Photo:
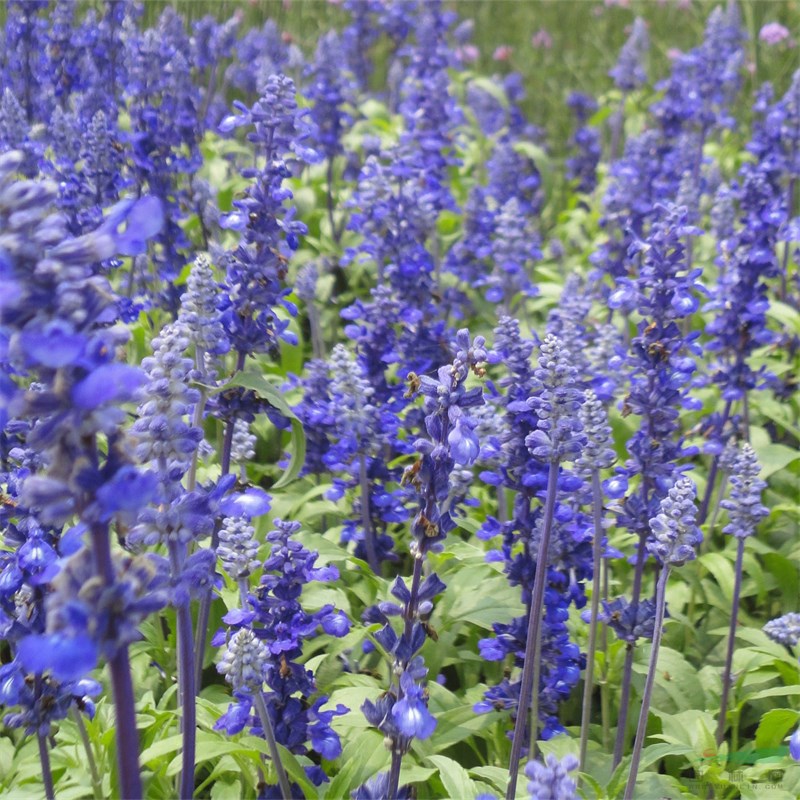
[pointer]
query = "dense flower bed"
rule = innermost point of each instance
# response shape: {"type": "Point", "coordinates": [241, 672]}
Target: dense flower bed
{"type": "Point", "coordinates": [354, 445]}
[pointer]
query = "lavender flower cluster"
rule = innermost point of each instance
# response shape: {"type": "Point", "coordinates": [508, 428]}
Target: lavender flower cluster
{"type": "Point", "coordinates": [282, 361]}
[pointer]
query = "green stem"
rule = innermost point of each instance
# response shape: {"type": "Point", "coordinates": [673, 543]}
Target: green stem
{"type": "Point", "coordinates": [97, 784]}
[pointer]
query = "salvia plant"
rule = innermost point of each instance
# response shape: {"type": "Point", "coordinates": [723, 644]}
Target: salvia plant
{"type": "Point", "coordinates": [392, 410]}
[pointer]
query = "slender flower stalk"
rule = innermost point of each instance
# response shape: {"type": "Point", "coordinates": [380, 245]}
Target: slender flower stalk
{"type": "Point", "coordinates": [745, 511]}
{"type": "Point", "coordinates": [267, 642]}
{"type": "Point", "coordinates": [664, 292]}
{"type": "Point", "coordinates": [204, 609]}
{"type": "Point", "coordinates": [269, 735]}
{"type": "Point", "coordinates": [675, 540]}
{"type": "Point", "coordinates": [557, 438]}
{"type": "Point", "coordinates": [530, 671]}
{"type": "Point", "coordinates": [629, 74]}
{"type": "Point", "coordinates": [44, 761]}
{"type": "Point", "coordinates": [97, 784]}
{"type": "Point", "coordinates": [641, 729]}
{"type": "Point", "coordinates": [726, 672]}
{"type": "Point", "coordinates": [130, 781]}
{"type": "Point", "coordinates": [170, 443]}
{"type": "Point", "coordinates": [713, 468]}
{"type": "Point", "coordinates": [186, 694]}
{"type": "Point", "coordinates": [402, 714]}
{"type": "Point", "coordinates": [598, 454]}
{"type": "Point", "coordinates": [306, 289]}
{"type": "Point", "coordinates": [56, 324]}
{"type": "Point", "coordinates": [597, 555]}
{"type": "Point", "coordinates": [244, 664]}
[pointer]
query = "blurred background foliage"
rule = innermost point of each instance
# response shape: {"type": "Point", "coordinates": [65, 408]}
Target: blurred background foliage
{"type": "Point", "coordinates": [585, 39]}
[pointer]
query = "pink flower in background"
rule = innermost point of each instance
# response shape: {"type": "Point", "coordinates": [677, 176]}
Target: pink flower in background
{"type": "Point", "coordinates": [773, 33]}
{"type": "Point", "coordinates": [542, 40]}
{"type": "Point", "coordinates": [468, 53]}
{"type": "Point", "coordinates": [674, 53]}
{"type": "Point", "coordinates": [503, 53]}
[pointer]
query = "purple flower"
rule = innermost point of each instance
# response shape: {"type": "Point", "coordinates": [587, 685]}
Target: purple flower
{"type": "Point", "coordinates": [463, 442]}
{"type": "Point", "coordinates": [675, 532]}
{"type": "Point", "coordinates": [629, 72]}
{"type": "Point", "coordinates": [67, 658]}
{"type": "Point", "coordinates": [794, 745]}
{"type": "Point", "coordinates": [551, 780]}
{"type": "Point", "coordinates": [784, 630]}
{"type": "Point", "coordinates": [744, 507]}
{"type": "Point", "coordinates": [411, 713]}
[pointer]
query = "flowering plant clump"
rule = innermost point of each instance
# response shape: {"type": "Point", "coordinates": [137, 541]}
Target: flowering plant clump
{"type": "Point", "coordinates": [401, 405]}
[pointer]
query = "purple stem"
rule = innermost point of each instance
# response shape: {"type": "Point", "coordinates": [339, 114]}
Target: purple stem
{"type": "Point", "coordinates": [723, 485]}
{"type": "Point", "coordinates": [369, 534]}
{"type": "Point", "coordinates": [597, 552]}
{"type": "Point", "coordinates": [616, 131]}
{"type": "Point", "coordinates": [410, 613]}
{"type": "Point", "coordinates": [530, 669]}
{"type": "Point", "coordinates": [44, 759]}
{"type": "Point", "coordinates": [204, 610]}
{"type": "Point", "coordinates": [702, 513]}
{"type": "Point", "coordinates": [726, 674]}
{"type": "Point", "coordinates": [130, 782]}
{"type": "Point", "coordinates": [336, 232]}
{"type": "Point", "coordinates": [269, 735]}
{"type": "Point", "coordinates": [641, 729]}
{"type": "Point", "coordinates": [186, 686]}
{"type": "Point", "coordinates": [790, 203]}
{"type": "Point", "coordinates": [627, 670]}
{"type": "Point", "coordinates": [317, 342]}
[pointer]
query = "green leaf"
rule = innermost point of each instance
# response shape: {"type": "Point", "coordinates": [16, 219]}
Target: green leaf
{"type": "Point", "coordinates": [775, 691]}
{"type": "Point", "coordinates": [264, 389]}
{"type": "Point", "coordinates": [363, 757]}
{"type": "Point", "coordinates": [785, 314]}
{"type": "Point", "coordinates": [497, 776]}
{"type": "Point", "coordinates": [785, 573]}
{"type": "Point", "coordinates": [209, 747]}
{"type": "Point", "coordinates": [774, 726]}
{"type": "Point", "coordinates": [484, 608]}
{"type": "Point", "coordinates": [161, 748]}
{"type": "Point", "coordinates": [226, 791]}
{"type": "Point", "coordinates": [458, 724]}
{"type": "Point", "coordinates": [774, 457]}
{"type": "Point", "coordinates": [454, 777]}
{"type": "Point", "coordinates": [677, 686]}
{"type": "Point", "coordinates": [651, 754]}
{"type": "Point", "coordinates": [721, 569]}
{"type": "Point", "coordinates": [6, 756]}
{"type": "Point", "coordinates": [492, 88]}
